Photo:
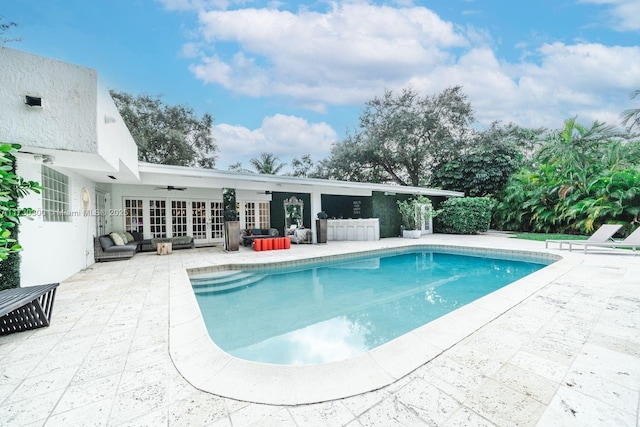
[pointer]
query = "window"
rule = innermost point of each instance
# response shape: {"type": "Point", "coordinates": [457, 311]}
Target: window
{"type": "Point", "coordinates": [55, 196]}
{"type": "Point", "coordinates": [178, 218]}
{"type": "Point", "coordinates": [199, 220]}
{"type": "Point", "coordinates": [217, 220]}
{"type": "Point", "coordinates": [250, 215]}
{"type": "Point", "coordinates": [257, 215]}
{"type": "Point", "coordinates": [265, 214]}
{"type": "Point", "coordinates": [158, 218]}
{"type": "Point", "coordinates": [133, 216]}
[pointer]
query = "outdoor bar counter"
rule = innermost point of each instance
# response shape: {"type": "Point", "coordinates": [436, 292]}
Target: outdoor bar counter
{"type": "Point", "coordinates": [353, 229]}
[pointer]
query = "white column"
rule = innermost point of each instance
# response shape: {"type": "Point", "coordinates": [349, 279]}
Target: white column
{"type": "Point", "coordinates": [316, 206]}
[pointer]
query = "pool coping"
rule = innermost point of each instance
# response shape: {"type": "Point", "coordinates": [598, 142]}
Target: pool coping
{"type": "Point", "coordinates": [207, 367]}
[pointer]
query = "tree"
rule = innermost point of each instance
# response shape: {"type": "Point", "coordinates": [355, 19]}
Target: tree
{"type": "Point", "coordinates": [401, 137]}
{"type": "Point", "coordinates": [302, 167]}
{"type": "Point", "coordinates": [631, 117]}
{"type": "Point", "coordinates": [169, 135]}
{"type": "Point", "coordinates": [267, 164]}
{"type": "Point", "coordinates": [575, 148]}
{"type": "Point", "coordinates": [581, 177]}
{"type": "Point", "coordinates": [484, 168]}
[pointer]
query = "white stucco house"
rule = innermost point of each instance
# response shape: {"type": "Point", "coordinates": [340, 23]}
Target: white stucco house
{"type": "Point", "coordinates": [76, 144]}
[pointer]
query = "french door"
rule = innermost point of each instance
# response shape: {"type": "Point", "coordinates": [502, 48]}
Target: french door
{"type": "Point", "coordinates": [200, 219]}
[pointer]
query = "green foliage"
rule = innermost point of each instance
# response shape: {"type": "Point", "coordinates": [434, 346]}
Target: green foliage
{"type": "Point", "coordinates": [10, 267]}
{"type": "Point", "coordinates": [267, 163]}
{"type": "Point", "coordinates": [485, 168]}
{"type": "Point", "coordinates": [229, 204]}
{"type": "Point", "coordinates": [386, 210]}
{"type": "Point", "coordinates": [12, 188]}
{"type": "Point", "coordinates": [401, 137]}
{"type": "Point", "coordinates": [302, 167]}
{"type": "Point", "coordinates": [581, 178]}
{"type": "Point", "coordinates": [464, 215]}
{"type": "Point", "coordinates": [541, 237]}
{"type": "Point", "coordinates": [415, 211]}
{"type": "Point", "coordinates": [631, 117]}
{"type": "Point", "coordinates": [168, 135]}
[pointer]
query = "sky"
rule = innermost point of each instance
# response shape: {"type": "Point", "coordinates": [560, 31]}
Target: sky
{"type": "Point", "coordinates": [292, 78]}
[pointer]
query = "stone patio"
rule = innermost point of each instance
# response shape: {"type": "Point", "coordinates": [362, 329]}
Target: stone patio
{"type": "Point", "coordinates": [569, 354]}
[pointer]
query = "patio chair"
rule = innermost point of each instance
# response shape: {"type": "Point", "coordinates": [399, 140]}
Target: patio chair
{"type": "Point", "coordinates": [26, 308]}
{"type": "Point", "coordinates": [632, 241]}
{"type": "Point", "coordinates": [601, 235]}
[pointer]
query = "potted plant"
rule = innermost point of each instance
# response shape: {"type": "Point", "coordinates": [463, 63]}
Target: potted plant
{"type": "Point", "coordinates": [321, 227]}
{"type": "Point", "coordinates": [231, 230]}
{"type": "Point", "coordinates": [414, 212]}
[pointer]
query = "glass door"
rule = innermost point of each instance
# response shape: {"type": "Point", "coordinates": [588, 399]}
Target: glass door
{"type": "Point", "coordinates": [199, 221]}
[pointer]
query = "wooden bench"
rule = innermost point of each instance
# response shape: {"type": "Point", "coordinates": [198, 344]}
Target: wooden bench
{"type": "Point", "coordinates": [26, 308]}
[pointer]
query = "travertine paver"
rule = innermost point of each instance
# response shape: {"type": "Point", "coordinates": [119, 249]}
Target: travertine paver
{"type": "Point", "coordinates": [567, 355]}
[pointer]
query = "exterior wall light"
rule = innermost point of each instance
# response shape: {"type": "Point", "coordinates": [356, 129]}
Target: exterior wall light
{"type": "Point", "coordinates": [33, 101]}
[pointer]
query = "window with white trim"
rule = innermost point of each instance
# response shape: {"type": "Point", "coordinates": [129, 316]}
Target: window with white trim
{"type": "Point", "coordinates": [158, 218]}
{"type": "Point", "coordinates": [265, 214]}
{"type": "Point", "coordinates": [217, 220]}
{"type": "Point", "coordinates": [134, 216]}
{"type": "Point", "coordinates": [55, 196]}
{"type": "Point", "coordinates": [178, 218]}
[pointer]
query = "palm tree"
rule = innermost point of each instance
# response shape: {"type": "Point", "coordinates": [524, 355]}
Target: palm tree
{"type": "Point", "coordinates": [631, 116]}
{"type": "Point", "coordinates": [575, 147]}
{"type": "Point", "coordinates": [267, 163]}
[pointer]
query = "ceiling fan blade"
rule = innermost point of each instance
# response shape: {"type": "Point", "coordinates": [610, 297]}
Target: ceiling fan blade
{"type": "Point", "coordinates": [171, 187]}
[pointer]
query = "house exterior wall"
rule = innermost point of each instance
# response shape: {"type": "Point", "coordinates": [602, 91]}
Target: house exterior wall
{"type": "Point", "coordinates": [79, 126]}
{"type": "Point", "coordinates": [67, 118]}
{"type": "Point", "coordinates": [54, 251]}
{"type": "Point", "coordinates": [115, 144]}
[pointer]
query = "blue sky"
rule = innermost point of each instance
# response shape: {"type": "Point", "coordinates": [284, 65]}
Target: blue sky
{"type": "Point", "coordinates": [291, 78]}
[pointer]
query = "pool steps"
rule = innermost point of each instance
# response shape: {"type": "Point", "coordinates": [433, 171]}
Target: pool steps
{"type": "Point", "coordinates": [224, 281]}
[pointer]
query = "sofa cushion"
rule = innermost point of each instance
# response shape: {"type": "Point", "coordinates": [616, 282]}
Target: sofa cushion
{"type": "Point", "coordinates": [105, 242]}
{"type": "Point", "coordinates": [124, 248]}
{"type": "Point", "coordinates": [117, 239]}
{"type": "Point", "coordinates": [182, 240]}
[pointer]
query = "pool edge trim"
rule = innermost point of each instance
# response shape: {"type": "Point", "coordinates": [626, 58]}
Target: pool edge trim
{"type": "Point", "coordinates": [207, 367]}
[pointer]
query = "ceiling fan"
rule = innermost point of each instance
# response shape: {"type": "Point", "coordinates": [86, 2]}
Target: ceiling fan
{"type": "Point", "coordinates": [171, 188]}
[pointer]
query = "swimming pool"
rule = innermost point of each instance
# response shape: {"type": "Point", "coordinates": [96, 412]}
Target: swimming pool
{"type": "Point", "coordinates": [324, 312]}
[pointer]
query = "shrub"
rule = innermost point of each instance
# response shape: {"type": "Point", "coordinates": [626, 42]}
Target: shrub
{"type": "Point", "coordinates": [415, 212]}
{"type": "Point", "coordinates": [464, 215]}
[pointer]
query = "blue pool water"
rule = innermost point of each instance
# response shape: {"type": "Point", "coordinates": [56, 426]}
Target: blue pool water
{"type": "Point", "coordinates": [333, 311]}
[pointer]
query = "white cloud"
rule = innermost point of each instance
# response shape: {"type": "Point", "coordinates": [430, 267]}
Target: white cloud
{"type": "Point", "coordinates": [339, 57]}
{"type": "Point", "coordinates": [625, 14]}
{"type": "Point", "coordinates": [353, 51]}
{"type": "Point", "coordinates": [284, 136]}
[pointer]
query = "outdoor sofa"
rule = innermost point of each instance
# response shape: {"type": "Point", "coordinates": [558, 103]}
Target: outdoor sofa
{"type": "Point", "coordinates": [108, 248]}
{"type": "Point", "coordinates": [250, 234]}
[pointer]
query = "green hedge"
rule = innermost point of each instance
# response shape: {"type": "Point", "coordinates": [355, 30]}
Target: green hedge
{"type": "Point", "coordinates": [464, 215]}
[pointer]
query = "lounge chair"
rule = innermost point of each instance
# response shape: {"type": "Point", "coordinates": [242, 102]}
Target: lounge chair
{"type": "Point", "coordinates": [602, 235]}
{"type": "Point", "coordinates": [632, 241]}
{"type": "Point", "coordinates": [26, 308]}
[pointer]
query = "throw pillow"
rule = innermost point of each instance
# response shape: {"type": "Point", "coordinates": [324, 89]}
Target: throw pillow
{"type": "Point", "coordinates": [124, 238]}
{"type": "Point", "coordinates": [117, 240]}
{"type": "Point", "coordinates": [130, 237]}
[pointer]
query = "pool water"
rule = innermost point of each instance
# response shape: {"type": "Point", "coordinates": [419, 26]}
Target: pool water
{"type": "Point", "coordinates": [333, 311]}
